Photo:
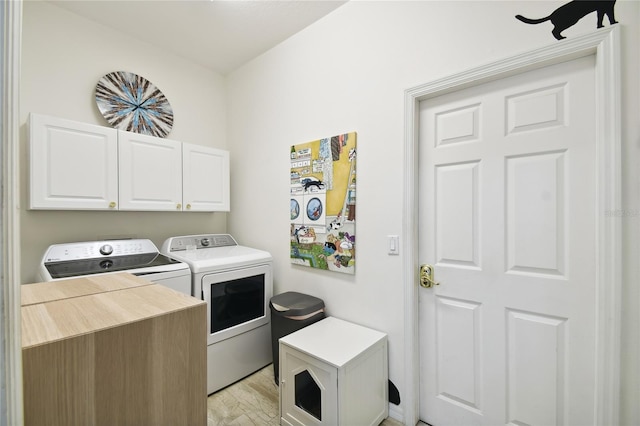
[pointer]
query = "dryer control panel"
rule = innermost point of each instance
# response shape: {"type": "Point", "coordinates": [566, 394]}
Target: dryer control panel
{"type": "Point", "coordinates": [194, 242]}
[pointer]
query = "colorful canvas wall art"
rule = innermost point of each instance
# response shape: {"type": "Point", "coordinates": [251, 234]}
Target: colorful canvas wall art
{"type": "Point", "coordinates": [323, 203]}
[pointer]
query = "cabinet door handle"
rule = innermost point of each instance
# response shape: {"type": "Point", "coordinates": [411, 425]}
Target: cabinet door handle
{"type": "Point", "coordinates": [112, 205]}
{"type": "Point", "coordinates": [178, 206]}
{"type": "Point", "coordinates": [188, 206]}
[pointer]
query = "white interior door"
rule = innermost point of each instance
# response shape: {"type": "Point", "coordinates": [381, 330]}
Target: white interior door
{"type": "Point", "coordinates": [508, 220]}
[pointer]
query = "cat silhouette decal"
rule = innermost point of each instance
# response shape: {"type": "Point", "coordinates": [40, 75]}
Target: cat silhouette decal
{"type": "Point", "coordinates": [568, 14]}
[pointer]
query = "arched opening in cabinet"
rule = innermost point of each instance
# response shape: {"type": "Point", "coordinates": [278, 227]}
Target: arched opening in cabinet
{"type": "Point", "coordinates": [308, 395]}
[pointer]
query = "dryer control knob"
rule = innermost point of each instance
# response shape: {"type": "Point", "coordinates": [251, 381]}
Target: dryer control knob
{"type": "Point", "coordinates": [106, 249]}
{"type": "Point", "coordinates": [205, 242]}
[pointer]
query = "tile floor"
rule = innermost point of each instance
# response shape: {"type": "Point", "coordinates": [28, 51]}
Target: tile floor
{"type": "Point", "coordinates": [251, 402]}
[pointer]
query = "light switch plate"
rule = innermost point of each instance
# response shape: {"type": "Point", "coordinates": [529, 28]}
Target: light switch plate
{"type": "Point", "coordinates": [393, 244]}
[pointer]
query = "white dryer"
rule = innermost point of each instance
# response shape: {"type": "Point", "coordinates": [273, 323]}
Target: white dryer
{"type": "Point", "coordinates": [237, 284]}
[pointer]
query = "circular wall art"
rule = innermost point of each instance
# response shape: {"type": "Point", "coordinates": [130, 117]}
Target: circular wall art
{"type": "Point", "coordinates": [130, 102]}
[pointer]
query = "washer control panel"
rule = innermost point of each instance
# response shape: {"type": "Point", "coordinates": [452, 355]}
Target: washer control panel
{"type": "Point", "coordinates": [94, 249]}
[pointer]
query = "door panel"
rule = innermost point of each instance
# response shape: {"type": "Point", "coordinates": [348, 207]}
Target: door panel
{"type": "Point", "coordinates": [73, 165]}
{"type": "Point", "coordinates": [457, 237]}
{"type": "Point", "coordinates": [205, 178]}
{"type": "Point", "coordinates": [508, 220]}
{"type": "Point", "coordinates": [150, 172]}
{"type": "Point", "coordinates": [539, 219]}
{"type": "Point", "coordinates": [535, 394]}
{"type": "Point", "coordinates": [302, 375]}
{"type": "Point", "coordinates": [459, 361]}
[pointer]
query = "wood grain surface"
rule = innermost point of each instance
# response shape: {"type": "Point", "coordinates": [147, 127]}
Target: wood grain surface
{"type": "Point", "coordinates": [64, 318]}
{"type": "Point", "coordinates": [135, 356]}
{"type": "Point", "coordinates": [76, 287]}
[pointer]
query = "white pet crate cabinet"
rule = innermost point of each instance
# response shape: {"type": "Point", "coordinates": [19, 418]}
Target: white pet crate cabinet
{"type": "Point", "coordinates": [333, 372]}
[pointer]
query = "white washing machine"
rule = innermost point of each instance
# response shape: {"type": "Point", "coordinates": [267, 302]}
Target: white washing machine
{"type": "Point", "coordinates": [237, 284]}
{"type": "Point", "coordinates": [136, 256]}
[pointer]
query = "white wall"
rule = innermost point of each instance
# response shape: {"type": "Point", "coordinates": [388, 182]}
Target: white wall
{"type": "Point", "coordinates": [63, 57]}
{"type": "Point", "coordinates": [348, 72]}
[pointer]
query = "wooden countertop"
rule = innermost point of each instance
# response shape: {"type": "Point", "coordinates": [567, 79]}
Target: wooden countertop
{"type": "Point", "coordinates": [79, 306]}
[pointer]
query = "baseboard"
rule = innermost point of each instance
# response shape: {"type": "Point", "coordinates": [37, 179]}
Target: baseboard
{"type": "Point", "coordinates": [396, 413]}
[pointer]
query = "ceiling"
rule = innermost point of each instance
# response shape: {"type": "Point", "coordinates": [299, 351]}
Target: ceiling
{"type": "Point", "coordinates": [221, 35]}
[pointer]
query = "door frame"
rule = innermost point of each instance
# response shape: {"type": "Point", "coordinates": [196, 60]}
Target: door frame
{"type": "Point", "coordinates": [10, 39]}
{"type": "Point", "coordinates": [605, 45]}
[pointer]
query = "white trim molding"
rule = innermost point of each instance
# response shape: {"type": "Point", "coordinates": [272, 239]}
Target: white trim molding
{"type": "Point", "coordinates": [605, 45]}
{"type": "Point", "coordinates": [11, 16]}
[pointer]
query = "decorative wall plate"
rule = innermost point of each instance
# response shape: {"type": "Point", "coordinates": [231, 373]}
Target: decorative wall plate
{"type": "Point", "coordinates": [130, 102]}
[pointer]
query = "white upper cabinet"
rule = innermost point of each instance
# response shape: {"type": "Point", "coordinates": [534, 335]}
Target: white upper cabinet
{"type": "Point", "coordinates": [205, 178]}
{"type": "Point", "coordinates": [150, 172]}
{"type": "Point", "coordinates": [73, 165]}
{"type": "Point", "coordinates": [87, 167]}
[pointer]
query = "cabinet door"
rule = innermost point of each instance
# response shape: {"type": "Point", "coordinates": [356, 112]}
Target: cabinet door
{"type": "Point", "coordinates": [72, 165]}
{"type": "Point", "coordinates": [205, 178]}
{"type": "Point", "coordinates": [308, 390]}
{"type": "Point", "coordinates": [150, 172]}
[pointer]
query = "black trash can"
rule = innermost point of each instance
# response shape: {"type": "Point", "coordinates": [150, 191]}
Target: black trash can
{"type": "Point", "coordinates": [290, 312]}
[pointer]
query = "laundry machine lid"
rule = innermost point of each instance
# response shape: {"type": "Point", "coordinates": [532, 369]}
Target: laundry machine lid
{"type": "Point", "coordinates": [77, 259]}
